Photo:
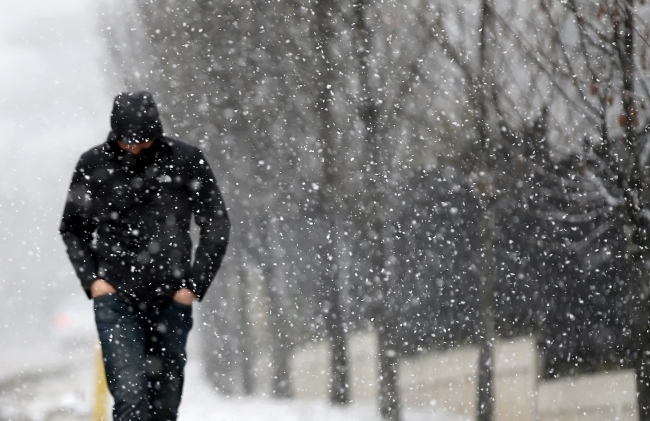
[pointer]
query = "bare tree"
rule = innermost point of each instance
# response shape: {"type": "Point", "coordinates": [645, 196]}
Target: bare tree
{"type": "Point", "coordinates": [377, 230]}
{"type": "Point", "coordinates": [596, 74]}
{"type": "Point", "coordinates": [584, 62]}
{"type": "Point", "coordinates": [330, 201]}
{"type": "Point", "coordinates": [482, 165]}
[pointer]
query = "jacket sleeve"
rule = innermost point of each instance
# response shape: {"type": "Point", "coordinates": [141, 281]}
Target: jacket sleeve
{"type": "Point", "coordinates": [77, 228]}
{"type": "Point", "coordinates": [212, 218]}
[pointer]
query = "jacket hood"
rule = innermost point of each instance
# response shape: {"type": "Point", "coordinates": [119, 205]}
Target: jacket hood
{"type": "Point", "coordinates": [135, 118]}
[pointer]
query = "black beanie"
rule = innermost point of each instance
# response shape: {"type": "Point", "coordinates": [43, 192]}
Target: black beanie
{"type": "Point", "coordinates": [135, 118]}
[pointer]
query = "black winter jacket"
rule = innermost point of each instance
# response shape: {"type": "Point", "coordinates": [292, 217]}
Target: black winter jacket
{"type": "Point", "coordinates": [127, 220]}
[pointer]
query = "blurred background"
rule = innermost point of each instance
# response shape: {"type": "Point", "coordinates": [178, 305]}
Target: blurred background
{"type": "Point", "coordinates": [440, 175]}
{"type": "Point", "coordinates": [54, 104]}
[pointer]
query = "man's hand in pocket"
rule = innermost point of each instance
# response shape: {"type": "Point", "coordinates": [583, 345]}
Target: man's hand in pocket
{"type": "Point", "coordinates": [184, 296]}
{"type": "Point", "coordinates": [101, 287]}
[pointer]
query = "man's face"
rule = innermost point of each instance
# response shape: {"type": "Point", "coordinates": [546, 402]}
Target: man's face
{"type": "Point", "coordinates": [135, 148]}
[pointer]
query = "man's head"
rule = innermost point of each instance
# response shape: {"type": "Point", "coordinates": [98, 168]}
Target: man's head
{"type": "Point", "coordinates": [135, 119]}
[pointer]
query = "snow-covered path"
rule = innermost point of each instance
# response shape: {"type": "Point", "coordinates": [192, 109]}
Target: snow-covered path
{"type": "Point", "coordinates": [54, 384]}
{"type": "Point", "coordinates": [200, 403]}
{"type": "Point", "coordinates": [62, 388]}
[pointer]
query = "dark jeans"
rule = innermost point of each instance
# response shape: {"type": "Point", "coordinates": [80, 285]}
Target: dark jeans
{"type": "Point", "coordinates": [144, 356]}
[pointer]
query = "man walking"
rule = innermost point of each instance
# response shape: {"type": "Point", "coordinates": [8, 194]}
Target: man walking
{"type": "Point", "coordinates": [126, 227]}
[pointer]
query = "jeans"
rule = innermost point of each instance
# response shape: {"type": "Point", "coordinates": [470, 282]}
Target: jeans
{"type": "Point", "coordinates": [144, 356]}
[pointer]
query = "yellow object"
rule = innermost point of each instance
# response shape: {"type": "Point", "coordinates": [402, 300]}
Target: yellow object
{"type": "Point", "coordinates": [100, 404]}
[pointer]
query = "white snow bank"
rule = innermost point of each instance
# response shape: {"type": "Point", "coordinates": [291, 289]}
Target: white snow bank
{"type": "Point", "coordinates": [202, 403]}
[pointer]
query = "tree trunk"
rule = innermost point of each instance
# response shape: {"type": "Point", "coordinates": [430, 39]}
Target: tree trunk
{"type": "Point", "coordinates": [641, 332]}
{"type": "Point", "coordinates": [485, 393]}
{"type": "Point", "coordinates": [338, 386]}
{"type": "Point", "coordinates": [389, 404]}
{"type": "Point", "coordinates": [486, 320]}
{"type": "Point", "coordinates": [378, 234]}
{"type": "Point", "coordinates": [280, 340]}
{"type": "Point", "coordinates": [638, 252]}
{"type": "Point", "coordinates": [338, 382]}
{"type": "Point", "coordinates": [245, 353]}
{"type": "Point", "coordinates": [280, 349]}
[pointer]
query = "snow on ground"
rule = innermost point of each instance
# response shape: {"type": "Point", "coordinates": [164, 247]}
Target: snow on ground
{"type": "Point", "coordinates": [201, 403]}
{"type": "Point", "coordinates": [46, 384]}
